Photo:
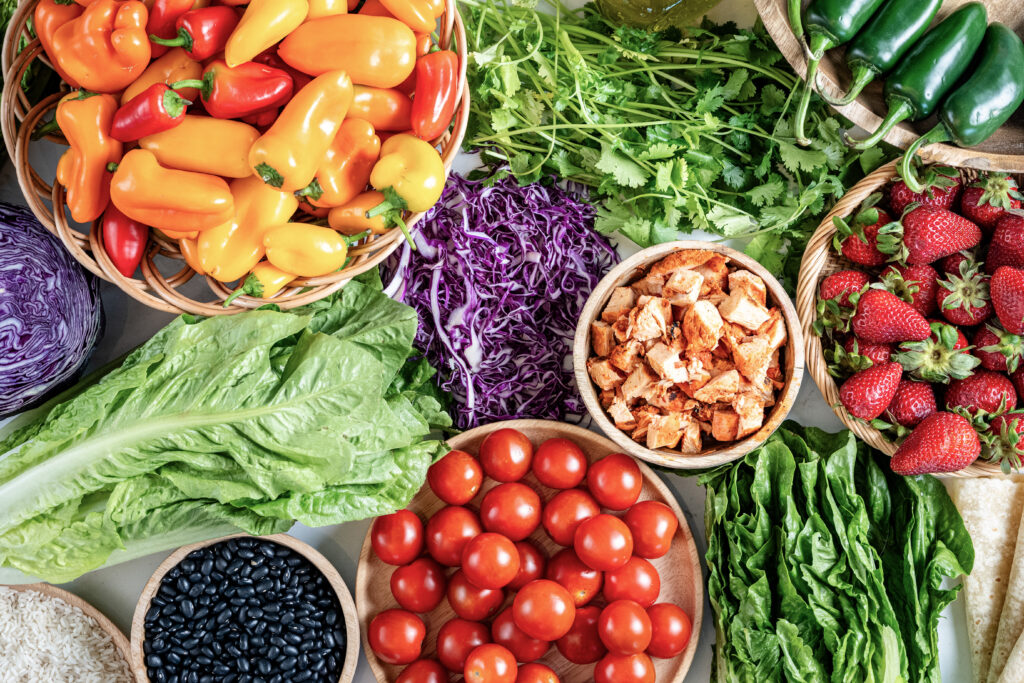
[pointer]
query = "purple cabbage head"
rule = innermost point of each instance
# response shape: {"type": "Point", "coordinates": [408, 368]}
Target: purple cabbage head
{"type": "Point", "coordinates": [50, 315]}
{"type": "Point", "coordinates": [499, 279]}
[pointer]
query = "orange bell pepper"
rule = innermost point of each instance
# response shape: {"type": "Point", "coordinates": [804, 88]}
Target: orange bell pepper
{"type": "Point", "coordinates": [304, 249]}
{"type": "Point", "coordinates": [85, 120]}
{"type": "Point", "coordinates": [326, 8]}
{"type": "Point", "coordinates": [384, 108]}
{"type": "Point", "coordinates": [375, 51]}
{"type": "Point", "coordinates": [49, 16]}
{"type": "Point", "coordinates": [416, 14]}
{"type": "Point", "coordinates": [106, 48]}
{"type": "Point", "coordinates": [205, 145]}
{"type": "Point", "coordinates": [288, 154]}
{"type": "Point", "coordinates": [231, 250]}
{"type": "Point", "coordinates": [350, 219]}
{"type": "Point", "coordinates": [174, 66]}
{"type": "Point", "coordinates": [190, 252]}
{"type": "Point", "coordinates": [264, 23]}
{"type": "Point", "coordinates": [168, 199]}
{"type": "Point", "coordinates": [345, 168]}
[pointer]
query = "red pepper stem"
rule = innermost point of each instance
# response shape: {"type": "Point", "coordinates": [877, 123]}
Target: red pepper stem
{"type": "Point", "coordinates": [183, 40]}
{"type": "Point", "coordinates": [174, 104]}
{"type": "Point", "coordinates": [204, 85]}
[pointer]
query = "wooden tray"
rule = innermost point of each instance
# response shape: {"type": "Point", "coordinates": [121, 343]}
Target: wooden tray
{"type": "Point", "coordinates": [348, 608]}
{"type": "Point", "coordinates": [1004, 151]}
{"type": "Point", "coordinates": [681, 580]}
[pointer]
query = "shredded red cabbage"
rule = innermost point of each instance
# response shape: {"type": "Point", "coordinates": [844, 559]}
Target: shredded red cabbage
{"type": "Point", "coordinates": [499, 280]}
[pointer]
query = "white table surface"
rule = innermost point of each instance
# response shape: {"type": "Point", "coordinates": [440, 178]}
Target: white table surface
{"type": "Point", "coordinates": [115, 591]}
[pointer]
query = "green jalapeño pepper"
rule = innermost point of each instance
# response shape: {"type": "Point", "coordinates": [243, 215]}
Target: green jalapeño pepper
{"type": "Point", "coordinates": [930, 69]}
{"type": "Point", "coordinates": [828, 23]}
{"type": "Point", "coordinates": [982, 103]}
{"type": "Point", "coordinates": [881, 43]}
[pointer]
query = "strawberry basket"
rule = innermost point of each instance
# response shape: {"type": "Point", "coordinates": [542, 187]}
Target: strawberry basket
{"type": "Point", "coordinates": [821, 260]}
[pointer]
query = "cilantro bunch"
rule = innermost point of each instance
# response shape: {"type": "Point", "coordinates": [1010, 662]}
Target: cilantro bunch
{"type": "Point", "coordinates": [672, 133]}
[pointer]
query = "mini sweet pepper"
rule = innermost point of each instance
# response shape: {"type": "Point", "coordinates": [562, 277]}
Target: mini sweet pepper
{"type": "Point", "coordinates": [345, 169]}
{"type": "Point", "coordinates": [437, 77]}
{"type": "Point", "coordinates": [350, 218]}
{"type": "Point", "coordinates": [107, 47]}
{"type": "Point", "coordinates": [202, 32]}
{"type": "Point", "coordinates": [124, 240]}
{"type": "Point", "coordinates": [264, 23]}
{"type": "Point", "coordinates": [304, 249]}
{"type": "Point", "coordinates": [163, 17]}
{"type": "Point", "coordinates": [154, 110]}
{"type": "Point", "coordinates": [416, 14]}
{"type": "Point", "coordinates": [48, 16]}
{"type": "Point", "coordinates": [85, 120]}
{"type": "Point", "coordinates": [412, 169]}
{"type": "Point", "coordinates": [236, 92]}
{"type": "Point", "coordinates": [385, 108]}
{"type": "Point", "coordinates": [205, 145]}
{"type": "Point", "coordinates": [169, 199]}
{"type": "Point", "coordinates": [172, 67]}
{"type": "Point", "coordinates": [326, 8]}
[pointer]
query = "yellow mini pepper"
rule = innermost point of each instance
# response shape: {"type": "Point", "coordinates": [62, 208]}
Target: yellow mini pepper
{"type": "Point", "coordinates": [304, 249]}
{"type": "Point", "coordinates": [264, 23]}
{"type": "Point", "coordinates": [288, 154]}
{"type": "Point", "coordinates": [350, 218]}
{"type": "Point", "coordinates": [229, 251]}
{"type": "Point", "coordinates": [345, 169]}
{"type": "Point", "coordinates": [416, 14]}
{"type": "Point", "coordinates": [263, 282]}
{"type": "Point", "coordinates": [412, 169]}
{"type": "Point", "coordinates": [107, 47]}
{"type": "Point", "coordinates": [169, 199]}
{"type": "Point", "coordinates": [85, 120]}
{"type": "Point", "coordinates": [326, 8]}
{"type": "Point", "coordinates": [172, 67]}
{"type": "Point", "coordinates": [205, 145]}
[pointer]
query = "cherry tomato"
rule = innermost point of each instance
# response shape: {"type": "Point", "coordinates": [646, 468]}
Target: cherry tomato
{"type": "Point", "coordinates": [472, 602]}
{"type": "Point", "coordinates": [423, 671]}
{"type": "Point", "coordinates": [419, 586]}
{"type": "Point", "coordinates": [670, 630]}
{"type": "Point", "coordinates": [636, 580]}
{"type": "Point", "coordinates": [615, 481]}
{"type": "Point", "coordinates": [490, 561]}
{"type": "Point", "coordinates": [564, 512]}
{"type": "Point", "coordinates": [505, 632]}
{"type": "Point", "coordinates": [397, 538]}
{"type": "Point", "coordinates": [603, 542]}
{"type": "Point", "coordinates": [543, 609]}
{"type": "Point", "coordinates": [506, 454]}
{"type": "Point", "coordinates": [624, 627]}
{"type": "Point", "coordinates": [582, 582]}
{"type": "Point", "coordinates": [490, 663]}
{"type": "Point", "coordinates": [512, 510]}
{"type": "Point", "coordinates": [560, 464]}
{"type": "Point", "coordinates": [582, 644]}
{"type": "Point", "coordinates": [396, 636]}
{"type": "Point", "coordinates": [448, 532]}
{"type": "Point", "coordinates": [624, 669]}
{"type": "Point", "coordinates": [536, 673]}
{"type": "Point", "coordinates": [531, 565]}
{"type": "Point", "coordinates": [455, 478]}
{"type": "Point", "coordinates": [456, 639]}
{"type": "Point", "coordinates": [653, 526]}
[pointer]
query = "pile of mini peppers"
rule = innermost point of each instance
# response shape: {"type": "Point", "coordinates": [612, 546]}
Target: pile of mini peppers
{"type": "Point", "coordinates": [216, 124]}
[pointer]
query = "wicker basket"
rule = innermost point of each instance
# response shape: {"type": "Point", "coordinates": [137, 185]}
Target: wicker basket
{"type": "Point", "coordinates": [161, 290]}
{"type": "Point", "coordinates": [819, 261]}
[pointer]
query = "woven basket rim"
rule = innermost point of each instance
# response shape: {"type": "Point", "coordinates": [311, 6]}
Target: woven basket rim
{"type": "Point", "coordinates": [19, 118]}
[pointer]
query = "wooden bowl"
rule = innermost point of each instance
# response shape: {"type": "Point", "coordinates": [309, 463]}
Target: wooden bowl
{"type": "Point", "coordinates": [163, 268]}
{"type": "Point", "coordinates": [681, 580]}
{"type": "Point", "coordinates": [1004, 151]}
{"type": "Point", "coordinates": [348, 607]}
{"type": "Point", "coordinates": [120, 642]}
{"type": "Point", "coordinates": [792, 359]}
{"type": "Point", "coordinates": [820, 261]}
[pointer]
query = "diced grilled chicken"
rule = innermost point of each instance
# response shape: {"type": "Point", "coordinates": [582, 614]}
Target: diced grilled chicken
{"type": "Point", "coordinates": [626, 356]}
{"type": "Point", "coordinates": [702, 326]}
{"type": "Point", "coordinates": [720, 389]}
{"type": "Point", "coordinates": [619, 304]}
{"type": "Point", "coordinates": [651, 320]}
{"type": "Point", "coordinates": [604, 374]}
{"type": "Point", "coordinates": [740, 309]}
{"type": "Point", "coordinates": [602, 338]}
{"type": "Point", "coordinates": [745, 282]}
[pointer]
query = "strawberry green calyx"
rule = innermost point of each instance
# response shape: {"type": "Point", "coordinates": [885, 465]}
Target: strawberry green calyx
{"type": "Point", "coordinates": [843, 363]}
{"type": "Point", "coordinates": [936, 359]}
{"type": "Point", "coordinates": [832, 315]}
{"type": "Point", "coordinates": [1003, 442]}
{"type": "Point", "coordinates": [1009, 345]}
{"type": "Point", "coordinates": [892, 280]}
{"type": "Point", "coordinates": [968, 291]}
{"type": "Point", "coordinates": [890, 237]}
{"type": "Point", "coordinates": [867, 215]}
{"type": "Point", "coordinates": [998, 190]}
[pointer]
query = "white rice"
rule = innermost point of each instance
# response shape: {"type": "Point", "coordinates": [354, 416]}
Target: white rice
{"type": "Point", "coordinates": [46, 640]}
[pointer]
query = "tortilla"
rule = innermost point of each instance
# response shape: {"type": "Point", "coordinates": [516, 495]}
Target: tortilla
{"type": "Point", "coordinates": [1014, 670]}
{"type": "Point", "coordinates": [991, 510]}
{"type": "Point", "coordinates": [1011, 620]}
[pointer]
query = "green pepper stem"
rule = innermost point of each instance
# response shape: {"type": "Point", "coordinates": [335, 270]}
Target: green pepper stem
{"type": "Point", "coordinates": [183, 39]}
{"type": "Point", "coordinates": [795, 20]}
{"type": "Point", "coordinates": [937, 134]}
{"type": "Point", "coordinates": [819, 44]}
{"type": "Point", "coordinates": [862, 75]}
{"type": "Point", "coordinates": [204, 85]}
{"type": "Point", "coordinates": [899, 110]}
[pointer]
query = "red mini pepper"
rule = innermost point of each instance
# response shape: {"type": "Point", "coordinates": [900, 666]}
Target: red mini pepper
{"type": "Point", "coordinates": [154, 110]}
{"type": "Point", "coordinates": [271, 58]}
{"type": "Point", "coordinates": [163, 17]}
{"type": "Point", "coordinates": [202, 33]}
{"type": "Point", "coordinates": [233, 93]}
{"type": "Point", "coordinates": [124, 240]}
{"type": "Point", "coordinates": [437, 76]}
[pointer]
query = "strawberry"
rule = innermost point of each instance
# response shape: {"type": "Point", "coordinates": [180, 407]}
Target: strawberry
{"type": "Point", "coordinates": [876, 353]}
{"type": "Point", "coordinates": [858, 239]}
{"type": "Point", "coordinates": [964, 299]}
{"type": "Point", "coordinates": [842, 284]}
{"type": "Point", "coordinates": [912, 402]}
{"type": "Point", "coordinates": [916, 285]}
{"type": "Point", "coordinates": [986, 199]}
{"type": "Point", "coordinates": [868, 393]}
{"type": "Point", "coordinates": [998, 349]}
{"type": "Point", "coordinates": [1004, 440]}
{"type": "Point", "coordinates": [939, 358]}
{"type": "Point", "coordinates": [925, 234]}
{"type": "Point", "coordinates": [838, 294]}
{"type": "Point", "coordinates": [881, 318]}
{"type": "Point", "coordinates": [1007, 246]}
{"type": "Point", "coordinates": [983, 392]}
{"type": "Point", "coordinates": [1008, 298]}
{"type": "Point", "coordinates": [855, 355]}
{"type": "Point", "coordinates": [951, 263]}
{"type": "Point", "coordinates": [943, 442]}
{"type": "Point", "coordinates": [942, 187]}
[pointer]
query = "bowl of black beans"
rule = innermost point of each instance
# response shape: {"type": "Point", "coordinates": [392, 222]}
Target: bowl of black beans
{"type": "Point", "coordinates": [245, 610]}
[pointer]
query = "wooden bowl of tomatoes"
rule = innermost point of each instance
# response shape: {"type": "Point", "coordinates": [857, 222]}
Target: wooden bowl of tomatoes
{"type": "Point", "coordinates": [537, 553]}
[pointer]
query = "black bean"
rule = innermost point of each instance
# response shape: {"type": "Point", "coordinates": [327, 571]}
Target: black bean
{"type": "Point", "coordinates": [188, 610]}
{"type": "Point", "coordinates": [287, 664]}
{"type": "Point", "coordinates": [242, 663]}
{"type": "Point", "coordinates": [154, 661]}
{"type": "Point", "coordinates": [246, 553]}
{"type": "Point", "coordinates": [263, 666]}
{"type": "Point", "coordinates": [264, 585]}
{"type": "Point", "coordinates": [206, 567]}
{"type": "Point", "coordinates": [293, 638]}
